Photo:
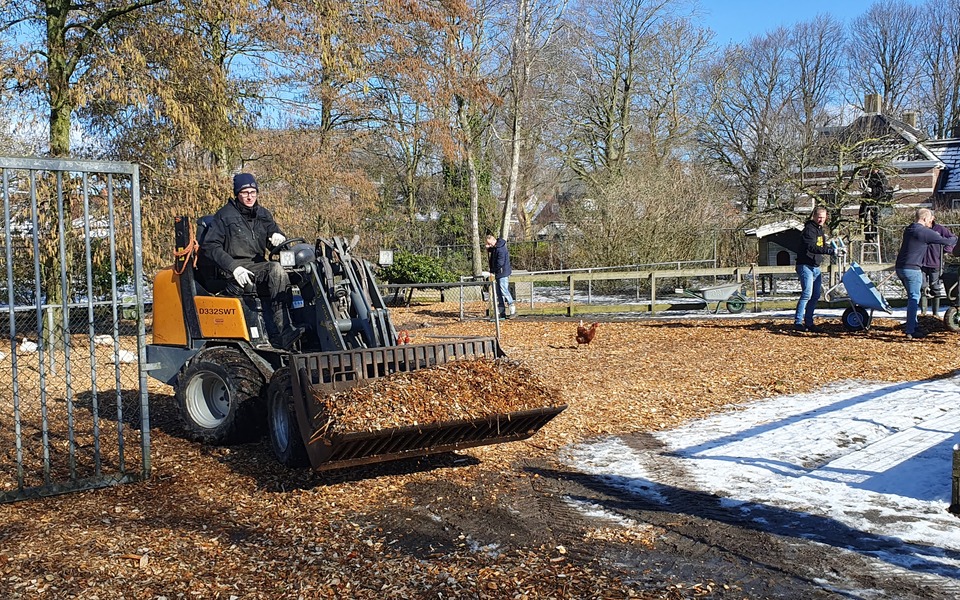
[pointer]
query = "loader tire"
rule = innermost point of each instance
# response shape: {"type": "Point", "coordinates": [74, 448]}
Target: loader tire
{"type": "Point", "coordinates": [219, 398]}
{"type": "Point", "coordinates": [285, 438]}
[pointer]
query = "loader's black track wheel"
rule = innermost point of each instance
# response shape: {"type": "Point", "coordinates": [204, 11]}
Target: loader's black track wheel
{"type": "Point", "coordinates": [219, 398]}
{"type": "Point", "coordinates": [285, 438]}
{"type": "Point", "coordinates": [736, 304]}
{"type": "Point", "coordinates": [951, 319]}
{"type": "Point", "coordinates": [856, 319]}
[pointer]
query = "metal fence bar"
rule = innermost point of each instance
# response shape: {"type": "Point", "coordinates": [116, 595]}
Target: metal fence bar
{"type": "Point", "coordinates": [35, 221]}
{"type": "Point", "coordinates": [17, 435]}
{"type": "Point", "coordinates": [114, 313]}
{"type": "Point", "coordinates": [141, 326]}
{"type": "Point", "coordinates": [91, 328]}
{"type": "Point", "coordinates": [65, 318]}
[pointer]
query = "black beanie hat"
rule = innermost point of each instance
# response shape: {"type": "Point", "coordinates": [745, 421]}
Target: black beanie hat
{"type": "Point", "coordinates": [243, 180]}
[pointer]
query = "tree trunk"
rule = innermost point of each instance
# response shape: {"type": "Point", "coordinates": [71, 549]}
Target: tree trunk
{"type": "Point", "coordinates": [467, 134]}
{"type": "Point", "coordinates": [521, 69]}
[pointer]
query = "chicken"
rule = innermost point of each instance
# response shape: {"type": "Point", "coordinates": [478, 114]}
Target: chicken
{"type": "Point", "coordinates": [585, 334]}
{"type": "Point", "coordinates": [28, 346]}
{"type": "Point", "coordinates": [404, 338]}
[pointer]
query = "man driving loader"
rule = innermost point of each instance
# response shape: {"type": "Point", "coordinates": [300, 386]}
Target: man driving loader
{"type": "Point", "coordinates": [236, 241]}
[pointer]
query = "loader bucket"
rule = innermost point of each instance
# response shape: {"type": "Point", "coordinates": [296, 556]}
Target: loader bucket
{"type": "Point", "coordinates": [328, 372]}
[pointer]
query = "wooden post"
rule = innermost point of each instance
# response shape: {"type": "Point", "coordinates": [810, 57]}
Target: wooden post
{"type": "Point", "coordinates": [653, 292]}
{"type": "Point", "coordinates": [955, 483]}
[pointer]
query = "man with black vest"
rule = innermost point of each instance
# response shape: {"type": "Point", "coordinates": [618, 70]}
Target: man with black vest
{"type": "Point", "coordinates": [813, 247]}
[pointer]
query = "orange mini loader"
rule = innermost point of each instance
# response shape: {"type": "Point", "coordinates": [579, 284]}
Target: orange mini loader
{"type": "Point", "coordinates": [230, 383]}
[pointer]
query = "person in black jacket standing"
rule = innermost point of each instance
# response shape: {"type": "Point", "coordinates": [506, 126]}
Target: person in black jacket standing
{"type": "Point", "coordinates": [499, 261]}
{"type": "Point", "coordinates": [813, 246]}
{"type": "Point", "coordinates": [237, 241]}
{"type": "Point", "coordinates": [916, 237]}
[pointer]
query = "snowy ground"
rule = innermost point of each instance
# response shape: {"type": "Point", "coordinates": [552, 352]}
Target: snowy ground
{"type": "Point", "coordinates": [860, 466]}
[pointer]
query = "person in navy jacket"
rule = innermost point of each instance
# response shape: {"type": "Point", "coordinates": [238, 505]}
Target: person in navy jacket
{"type": "Point", "coordinates": [499, 261]}
{"type": "Point", "coordinates": [916, 237]}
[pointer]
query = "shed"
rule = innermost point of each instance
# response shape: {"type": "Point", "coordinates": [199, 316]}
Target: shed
{"type": "Point", "coordinates": [777, 242]}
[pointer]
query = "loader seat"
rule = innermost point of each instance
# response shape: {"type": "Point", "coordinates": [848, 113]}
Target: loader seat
{"type": "Point", "coordinates": [206, 275]}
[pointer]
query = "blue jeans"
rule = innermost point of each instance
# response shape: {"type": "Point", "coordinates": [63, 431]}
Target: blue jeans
{"type": "Point", "coordinates": [503, 293]}
{"type": "Point", "coordinates": [912, 280]}
{"type": "Point", "coordinates": [811, 285]}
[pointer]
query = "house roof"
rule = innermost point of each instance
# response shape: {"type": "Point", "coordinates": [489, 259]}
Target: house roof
{"type": "Point", "coordinates": [949, 153]}
{"type": "Point", "coordinates": [880, 124]}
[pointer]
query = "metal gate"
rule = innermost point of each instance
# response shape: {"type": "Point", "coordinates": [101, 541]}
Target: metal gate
{"type": "Point", "coordinates": [73, 396]}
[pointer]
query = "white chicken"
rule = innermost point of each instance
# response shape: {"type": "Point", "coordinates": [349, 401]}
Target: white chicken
{"type": "Point", "coordinates": [27, 346]}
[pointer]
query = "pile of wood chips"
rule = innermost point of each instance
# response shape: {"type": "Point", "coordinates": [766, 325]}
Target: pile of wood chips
{"type": "Point", "coordinates": [462, 389]}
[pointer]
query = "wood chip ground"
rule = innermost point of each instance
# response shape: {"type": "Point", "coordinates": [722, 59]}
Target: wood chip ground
{"type": "Point", "coordinates": [230, 523]}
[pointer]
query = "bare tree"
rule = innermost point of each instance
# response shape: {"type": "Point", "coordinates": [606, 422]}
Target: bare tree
{"type": "Point", "coordinates": [536, 22]}
{"type": "Point", "coordinates": [653, 214]}
{"type": "Point", "coordinates": [471, 98]}
{"type": "Point", "coordinates": [940, 67]}
{"type": "Point", "coordinates": [816, 60]}
{"type": "Point", "coordinates": [815, 51]}
{"type": "Point", "coordinates": [667, 94]}
{"type": "Point", "coordinates": [847, 160]}
{"type": "Point", "coordinates": [884, 53]}
{"type": "Point", "coordinates": [747, 132]}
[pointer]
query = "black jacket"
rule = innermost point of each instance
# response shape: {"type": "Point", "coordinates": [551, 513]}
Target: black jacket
{"type": "Point", "coordinates": [500, 259]}
{"type": "Point", "coordinates": [813, 245]}
{"type": "Point", "coordinates": [234, 240]}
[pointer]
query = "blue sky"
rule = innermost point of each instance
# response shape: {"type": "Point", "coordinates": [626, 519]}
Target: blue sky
{"type": "Point", "coordinates": [738, 20]}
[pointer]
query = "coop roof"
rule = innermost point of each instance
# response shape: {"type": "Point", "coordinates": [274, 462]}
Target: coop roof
{"type": "Point", "coordinates": [774, 228]}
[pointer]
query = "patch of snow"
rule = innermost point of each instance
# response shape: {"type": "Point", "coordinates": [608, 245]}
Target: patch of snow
{"type": "Point", "coordinates": [859, 465]}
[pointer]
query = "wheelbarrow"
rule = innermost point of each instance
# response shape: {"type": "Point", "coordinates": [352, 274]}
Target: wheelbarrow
{"type": "Point", "coordinates": [731, 293]}
{"type": "Point", "coordinates": [951, 283]}
{"type": "Point", "coordinates": [863, 296]}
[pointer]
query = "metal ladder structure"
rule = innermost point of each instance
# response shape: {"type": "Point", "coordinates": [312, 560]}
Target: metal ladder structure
{"type": "Point", "coordinates": [870, 252]}
{"type": "Point", "coordinates": [870, 246]}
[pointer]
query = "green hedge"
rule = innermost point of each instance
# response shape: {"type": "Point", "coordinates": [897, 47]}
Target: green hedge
{"type": "Point", "coordinates": [415, 268]}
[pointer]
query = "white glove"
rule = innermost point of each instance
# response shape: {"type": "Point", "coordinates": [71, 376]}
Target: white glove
{"type": "Point", "coordinates": [243, 276]}
{"type": "Point", "coordinates": [277, 239]}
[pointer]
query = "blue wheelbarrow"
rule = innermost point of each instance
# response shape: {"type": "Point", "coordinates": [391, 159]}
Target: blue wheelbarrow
{"type": "Point", "coordinates": [863, 296]}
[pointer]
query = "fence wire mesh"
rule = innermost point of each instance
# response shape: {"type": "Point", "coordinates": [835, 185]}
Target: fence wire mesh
{"type": "Point", "coordinates": [73, 407]}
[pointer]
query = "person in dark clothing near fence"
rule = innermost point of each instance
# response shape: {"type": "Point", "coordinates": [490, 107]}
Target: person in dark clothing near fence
{"type": "Point", "coordinates": [237, 242]}
{"type": "Point", "coordinates": [932, 266]}
{"type": "Point", "coordinates": [813, 246]}
{"type": "Point", "coordinates": [499, 261]}
{"type": "Point", "coordinates": [916, 237]}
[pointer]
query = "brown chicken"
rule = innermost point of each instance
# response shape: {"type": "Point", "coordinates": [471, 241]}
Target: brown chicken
{"type": "Point", "coordinates": [404, 338]}
{"type": "Point", "coordinates": [585, 334]}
